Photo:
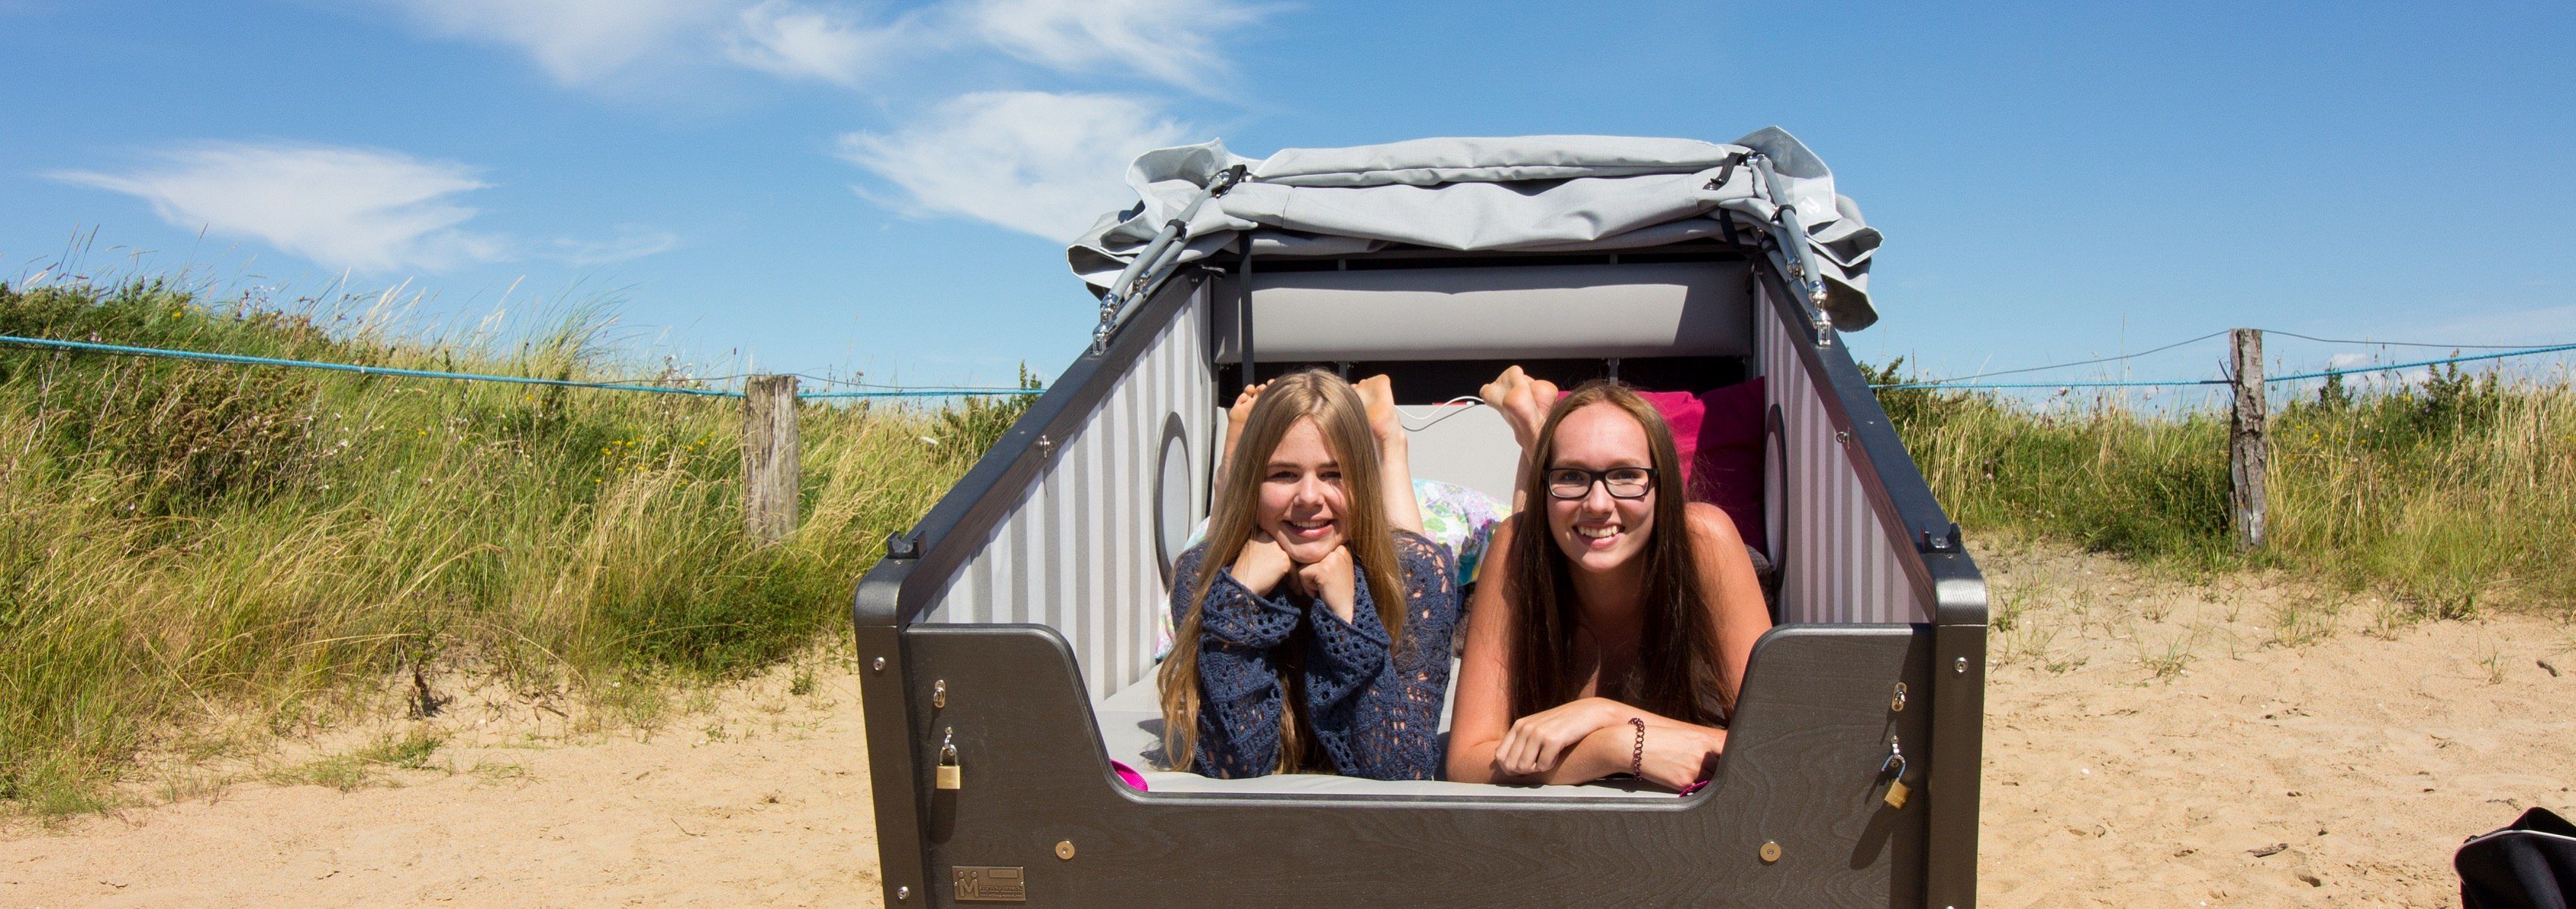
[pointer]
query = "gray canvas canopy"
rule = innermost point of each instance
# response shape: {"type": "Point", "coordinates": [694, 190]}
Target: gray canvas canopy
{"type": "Point", "coordinates": [1523, 194]}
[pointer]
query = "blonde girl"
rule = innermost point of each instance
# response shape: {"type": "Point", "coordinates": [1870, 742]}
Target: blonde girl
{"type": "Point", "coordinates": [1312, 626]}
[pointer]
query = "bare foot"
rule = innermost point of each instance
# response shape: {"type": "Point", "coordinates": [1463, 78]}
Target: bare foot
{"type": "Point", "coordinates": [1378, 393]}
{"type": "Point", "coordinates": [1235, 415]}
{"type": "Point", "coordinates": [1523, 402]}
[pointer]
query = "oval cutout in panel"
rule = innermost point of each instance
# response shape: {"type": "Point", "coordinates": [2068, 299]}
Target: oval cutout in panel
{"type": "Point", "coordinates": [1172, 484]}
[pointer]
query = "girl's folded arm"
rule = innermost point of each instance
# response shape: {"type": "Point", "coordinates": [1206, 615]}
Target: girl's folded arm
{"type": "Point", "coordinates": [1376, 702]}
{"type": "Point", "coordinates": [1241, 701]}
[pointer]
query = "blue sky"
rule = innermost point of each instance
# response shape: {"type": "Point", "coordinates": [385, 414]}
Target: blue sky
{"type": "Point", "coordinates": [816, 185]}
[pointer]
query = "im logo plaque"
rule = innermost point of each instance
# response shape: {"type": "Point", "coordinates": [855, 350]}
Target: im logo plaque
{"type": "Point", "coordinates": [992, 884]}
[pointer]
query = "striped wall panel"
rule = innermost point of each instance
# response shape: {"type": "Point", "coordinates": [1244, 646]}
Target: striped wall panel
{"type": "Point", "coordinates": [1840, 562]}
{"type": "Point", "coordinates": [1078, 551]}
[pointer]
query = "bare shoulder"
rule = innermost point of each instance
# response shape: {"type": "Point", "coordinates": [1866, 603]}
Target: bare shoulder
{"type": "Point", "coordinates": [1710, 526]}
{"type": "Point", "coordinates": [1503, 535]}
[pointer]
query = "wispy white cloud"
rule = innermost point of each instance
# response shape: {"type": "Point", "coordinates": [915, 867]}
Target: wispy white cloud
{"type": "Point", "coordinates": [590, 41]}
{"type": "Point", "coordinates": [783, 38]}
{"type": "Point", "coordinates": [575, 41]}
{"type": "Point", "coordinates": [1042, 163]}
{"type": "Point", "coordinates": [1170, 40]}
{"type": "Point", "coordinates": [343, 207]}
{"type": "Point", "coordinates": [632, 241]}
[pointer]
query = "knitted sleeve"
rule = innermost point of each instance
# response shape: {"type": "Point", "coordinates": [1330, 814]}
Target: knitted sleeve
{"type": "Point", "coordinates": [1240, 697]}
{"type": "Point", "coordinates": [1375, 702]}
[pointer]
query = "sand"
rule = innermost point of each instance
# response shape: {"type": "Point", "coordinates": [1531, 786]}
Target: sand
{"type": "Point", "coordinates": [2252, 743]}
{"type": "Point", "coordinates": [2148, 743]}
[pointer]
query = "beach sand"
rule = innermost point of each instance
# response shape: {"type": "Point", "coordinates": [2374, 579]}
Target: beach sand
{"type": "Point", "coordinates": [2255, 742]}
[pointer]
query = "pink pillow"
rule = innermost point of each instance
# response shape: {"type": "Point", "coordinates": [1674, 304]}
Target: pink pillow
{"type": "Point", "coordinates": [1718, 435]}
{"type": "Point", "coordinates": [1727, 457]}
{"type": "Point", "coordinates": [1129, 776]}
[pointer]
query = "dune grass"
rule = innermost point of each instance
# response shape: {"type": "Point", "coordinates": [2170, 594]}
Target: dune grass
{"type": "Point", "coordinates": [181, 540]}
{"type": "Point", "coordinates": [2451, 494]}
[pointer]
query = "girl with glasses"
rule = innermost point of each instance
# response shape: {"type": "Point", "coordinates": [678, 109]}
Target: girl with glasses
{"type": "Point", "coordinates": [1610, 633]}
{"type": "Point", "coordinates": [1312, 627]}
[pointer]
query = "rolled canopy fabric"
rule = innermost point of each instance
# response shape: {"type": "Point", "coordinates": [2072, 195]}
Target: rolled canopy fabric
{"type": "Point", "coordinates": [1524, 194]}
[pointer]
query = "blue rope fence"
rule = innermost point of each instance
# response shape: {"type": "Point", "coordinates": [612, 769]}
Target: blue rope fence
{"type": "Point", "coordinates": [2319, 374]}
{"type": "Point", "coordinates": [241, 359]}
{"type": "Point", "coordinates": [2493, 356]}
{"type": "Point", "coordinates": [927, 393]}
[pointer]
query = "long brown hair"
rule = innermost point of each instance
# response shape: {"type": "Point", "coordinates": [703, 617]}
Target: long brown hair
{"type": "Point", "coordinates": [1677, 655]}
{"type": "Point", "coordinates": [1343, 420]}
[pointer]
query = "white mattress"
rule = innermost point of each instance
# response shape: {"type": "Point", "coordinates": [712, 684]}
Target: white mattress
{"type": "Point", "coordinates": [1131, 725]}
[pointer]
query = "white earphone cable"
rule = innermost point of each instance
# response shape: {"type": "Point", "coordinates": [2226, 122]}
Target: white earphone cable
{"type": "Point", "coordinates": [1408, 419]}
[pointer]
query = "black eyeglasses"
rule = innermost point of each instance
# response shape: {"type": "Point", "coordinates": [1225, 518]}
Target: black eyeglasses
{"type": "Point", "coordinates": [1622, 482]}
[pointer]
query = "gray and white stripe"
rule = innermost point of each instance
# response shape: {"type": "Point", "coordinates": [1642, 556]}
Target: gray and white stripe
{"type": "Point", "coordinates": [1077, 552]}
{"type": "Point", "coordinates": [1841, 561]}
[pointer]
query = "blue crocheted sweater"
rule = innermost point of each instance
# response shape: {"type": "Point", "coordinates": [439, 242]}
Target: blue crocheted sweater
{"type": "Point", "coordinates": [1373, 703]}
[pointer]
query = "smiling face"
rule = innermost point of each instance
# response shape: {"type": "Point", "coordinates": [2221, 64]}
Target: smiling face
{"type": "Point", "coordinates": [1599, 532]}
{"type": "Point", "coordinates": [1302, 498]}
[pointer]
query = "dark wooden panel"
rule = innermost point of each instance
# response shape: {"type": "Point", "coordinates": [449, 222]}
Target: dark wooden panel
{"type": "Point", "coordinates": [1958, 749]}
{"type": "Point", "coordinates": [1801, 770]}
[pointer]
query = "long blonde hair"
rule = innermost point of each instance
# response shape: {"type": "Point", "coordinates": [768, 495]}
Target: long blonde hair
{"type": "Point", "coordinates": [1341, 418]}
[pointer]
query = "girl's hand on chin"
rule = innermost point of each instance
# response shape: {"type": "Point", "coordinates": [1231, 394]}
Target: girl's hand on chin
{"type": "Point", "coordinates": [1333, 580]}
{"type": "Point", "coordinates": [1261, 565]}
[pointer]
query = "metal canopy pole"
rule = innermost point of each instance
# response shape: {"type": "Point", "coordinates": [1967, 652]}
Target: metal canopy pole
{"type": "Point", "coordinates": [1797, 257]}
{"type": "Point", "coordinates": [1154, 263]}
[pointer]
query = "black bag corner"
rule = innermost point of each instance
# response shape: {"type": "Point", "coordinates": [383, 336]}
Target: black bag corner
{"type": "Point", "coordinates": [2528, 865]}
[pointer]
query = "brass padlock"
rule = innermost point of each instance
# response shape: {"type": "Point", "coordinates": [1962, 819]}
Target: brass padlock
{"type": "Point", "coordinates": [950, 775]}
{"type": "Point", "coordinates": [1897, 791]}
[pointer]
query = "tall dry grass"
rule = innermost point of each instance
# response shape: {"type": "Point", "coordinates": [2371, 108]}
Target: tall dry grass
{"type": "Point", "coordinates": [2453, 493]}
{"type": "Point", "coordinates": [182, 540]}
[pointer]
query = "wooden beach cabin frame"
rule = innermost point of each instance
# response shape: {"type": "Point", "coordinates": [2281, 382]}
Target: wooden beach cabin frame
{"type": "Point", "coordinates": [1015, 625]}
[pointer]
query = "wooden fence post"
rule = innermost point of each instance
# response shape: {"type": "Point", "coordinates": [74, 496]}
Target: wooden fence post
{"type": "Point", "coordinates": [769, 456]}
{"type": "Point", "coordinates": [2248, 444]}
